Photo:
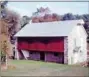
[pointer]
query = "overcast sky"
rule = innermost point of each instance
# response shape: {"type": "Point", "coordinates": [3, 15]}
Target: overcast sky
{"type": "Point", "coordinates": [27, 8]}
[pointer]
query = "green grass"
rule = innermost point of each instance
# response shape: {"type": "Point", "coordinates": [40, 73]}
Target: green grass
{"type": "Point", "coordinates": [39, 68]}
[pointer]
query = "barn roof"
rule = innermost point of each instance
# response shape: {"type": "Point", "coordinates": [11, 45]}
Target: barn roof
{"type": "Point", "coordinates": [47, 29]}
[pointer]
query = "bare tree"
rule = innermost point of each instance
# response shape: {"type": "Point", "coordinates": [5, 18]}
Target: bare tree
{"type": "Point", "coordinates": [25, 20]}
{"type": "Point", "coordinates": [44, 15]}
{"type": "Point", "coordinates": [9, 24]}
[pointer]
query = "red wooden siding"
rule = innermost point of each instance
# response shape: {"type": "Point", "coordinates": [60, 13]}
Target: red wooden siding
{"type": "Point", "coordinates": [52, 45]}
{"type": "Point", "coordinates": [41, 46]}
{"type": "Point", "coordinates": [56, 45]}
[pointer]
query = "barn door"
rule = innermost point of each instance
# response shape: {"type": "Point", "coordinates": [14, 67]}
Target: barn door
{"type": "Point", "coordinates": [26, 54]}
{"type": "Point", "coordinates": [75, 58]}
{"type": "Point", "coordinates": [42, 56]}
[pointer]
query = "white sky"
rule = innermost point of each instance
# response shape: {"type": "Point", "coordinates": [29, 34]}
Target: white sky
{"type": "Point", "coordinates": [27, 8]}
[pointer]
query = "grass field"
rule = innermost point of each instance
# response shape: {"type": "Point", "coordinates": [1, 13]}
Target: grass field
{"type": "Point", "coordinates": [38, 68]}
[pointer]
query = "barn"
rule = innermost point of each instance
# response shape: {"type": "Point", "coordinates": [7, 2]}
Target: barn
{"type": "Point", "coordinates": [60, 41]}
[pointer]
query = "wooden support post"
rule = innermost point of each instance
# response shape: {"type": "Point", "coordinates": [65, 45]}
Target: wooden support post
{"type": "Point", "coordinates": [16, 51]}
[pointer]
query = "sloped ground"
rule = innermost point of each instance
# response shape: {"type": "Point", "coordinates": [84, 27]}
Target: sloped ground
{"type": "Point", "coordinates": [38, 68]}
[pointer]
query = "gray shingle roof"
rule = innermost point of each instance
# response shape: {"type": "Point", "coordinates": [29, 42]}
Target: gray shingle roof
{"type": "Point", "coordinates": [47, 29]}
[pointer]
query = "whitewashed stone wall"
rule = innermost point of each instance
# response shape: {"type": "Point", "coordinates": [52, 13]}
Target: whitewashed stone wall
{"type": "Point", "coordinates": [66, 50]}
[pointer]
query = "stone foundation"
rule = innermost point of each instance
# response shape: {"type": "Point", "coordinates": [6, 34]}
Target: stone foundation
{"type": "Point", "coordinates": [50, 57]}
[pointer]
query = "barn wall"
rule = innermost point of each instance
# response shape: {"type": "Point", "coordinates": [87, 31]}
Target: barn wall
{"type": "Point", "coordinates": [88, 51]}
{"type": "Point", "coordinates": [25, 53]}
{"type": "Point", "coordinates": [34, 56]}
{"type": "Point", "coordinates": [83, 44]}
{"type": "Point", "coordinates": [42, 44]}
{"type": "Point", "coordinates": [77, 38]}
{"type": "Point", "coordinates": [50, 57]}
{"type": "Point", "coordinates": [21, 55]}
{"type": "Point", "coordinates": [51, 46]}
{"type": "Point", "coordinates": [16, 50]}
{"type": "Point", "coordinates": [66, 50]}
